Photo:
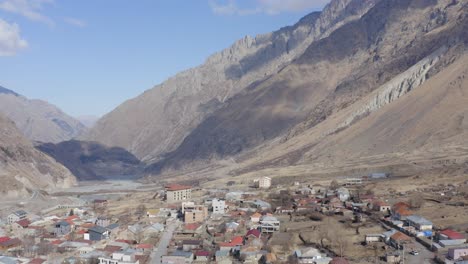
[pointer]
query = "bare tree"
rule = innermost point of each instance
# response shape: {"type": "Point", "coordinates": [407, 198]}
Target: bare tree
{"type": "Point", "coordinates": [334, 185]}
{"type": "Point", "coordinates": [417, 201]}
{"type": "Point", "coordinates": [324, 231]}
{"type": "Point", "coordinates": [140, 211]}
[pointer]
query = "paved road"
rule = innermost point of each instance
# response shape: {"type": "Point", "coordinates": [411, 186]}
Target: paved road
{"type": "Point", "coordinates": [424, 257]}
{"type": "Point", "coordinates": [166, 237]}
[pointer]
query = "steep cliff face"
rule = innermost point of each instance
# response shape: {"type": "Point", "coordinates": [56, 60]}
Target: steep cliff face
{"type": "Point", "coordinates": [39, 120]}
{"type": "Point", "coordinates": [23, 169]}
{"type": "Point", "coordinates": [361, 66]}
{"type": "Point", "coordinates": [157, 121]}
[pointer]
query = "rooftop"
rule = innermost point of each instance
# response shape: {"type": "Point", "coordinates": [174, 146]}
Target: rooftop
{"type": "Point", "coordinates": [177, 187]}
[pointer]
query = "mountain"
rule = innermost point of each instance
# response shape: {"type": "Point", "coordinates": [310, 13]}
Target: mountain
{"type": "Point", "coordinates": [369, 84]}
{"type": "Point", "coordinates": [93, 161]}
{"type": "Point", "coordinates": [23, 169]}
{"type": "Point", "coordinates": [39, 120]}
{"type": "Point", "coordinates": [157, 121]}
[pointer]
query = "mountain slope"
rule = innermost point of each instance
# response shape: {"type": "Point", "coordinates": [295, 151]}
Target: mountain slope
{"type": "Point", "coordinates": [39, 120]}
{"type": "Point", "coordinates": [92, 161]}
{"type": "Point", "coordinates": [396, 45]}
{"type": "Point", "coordinates": [24, 169]}
{"type": "Point", "coordinates": [157, 121]}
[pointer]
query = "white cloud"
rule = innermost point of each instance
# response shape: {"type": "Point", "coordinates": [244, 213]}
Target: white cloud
{"type": "Point", "coordinates": [10, 39]}
{"type": "Point", "coordinates": [271, 7]}
{"type": "Point", "coordinates": [30, 9]}
{"type": "Point", "coordinates": [75, 22]}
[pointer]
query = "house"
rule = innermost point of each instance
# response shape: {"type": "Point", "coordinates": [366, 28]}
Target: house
{"type": "Point", "coordinates": [144, 248]}
{"type": "Point", "coordinates": [103, 221]}
{"type": "Point", "coordinates": [196, 215]}
{"type": "Point", "coordinates": [373, 238]}
{"type": "Point", "coordinates": [152, 213]}
{"type": "Point", "coordinates": [62, 228]}
{"type": "Point", "coordinates": [178, 257]}
{"type": "Point", "coordinates": [398, 240]}
{"type": "Point", "coordinates": [16, 216]}
{"type": "Point", "coordinates": [155, 228]}
{"type": "Point", "coordinates": [255, 218]}
{"type": "Point", "coordinates": [378, 175]}
{"type": "Point", "coordinates": [21, 224]}
{"type": "Point", "coordinates": [123, 257]}
{"type": "Point", "coordinates": [252, 234]}
{"type": "Point", "coordinates": [381, 206]}
{"type": "Point", "coordinates": [97, 233]}
{"type": "Point", "coordinates": [449, 234]}
{"type": "Point", "coordinates": [176, 193]}
{"type": "Point", "coordinates": [219, 206]}
{"type": "Point", "coordinates": [231, 227]}
{"type": "Point", "coordinates": [189, 245]}
{"type": "Point", "coordinates": [418, 222]}
{"type": "Point", "coordinates": [202, 256]}
{"type": "Point", "coordinates": [269, 224]}
{"type": "Point", "coordinates": [310, 255]}
{"type": "Point", "coordinates": [10, 243]}
{"type": "Point", "coordinates": [262, 205]}
{"type": "Point", "coordinates": [457, 253]}
{"type": "Point", "coordinates": [343, 194]}
{"type": "Point", "coordinates": [263, 182]}
{"type": "Point", "coordinates": [227, 246]}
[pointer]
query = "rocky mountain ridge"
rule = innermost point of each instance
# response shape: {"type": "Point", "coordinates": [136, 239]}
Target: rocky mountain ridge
{"type": "Point", "coordinates": [38, 120]}
{"type": "Point", "coordinates": [157, 121]}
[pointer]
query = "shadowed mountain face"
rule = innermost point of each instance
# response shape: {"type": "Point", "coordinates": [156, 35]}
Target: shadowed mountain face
{"type": "Point", "coordinates": [39, 120]}
{"type": "Point", "coordinates": [286, 98]}
{"type": "Point", "coordinates": [157, 121]}
{"type": "Point", "coordinates": [23, 169]}
{"type": "Point", "coordinates": [93, 161]}
{"type": "Point", "coordinates": [394, 39]}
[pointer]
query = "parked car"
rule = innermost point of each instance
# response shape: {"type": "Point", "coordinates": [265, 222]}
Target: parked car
{"type": "Point", "coordinates": [414, 253]}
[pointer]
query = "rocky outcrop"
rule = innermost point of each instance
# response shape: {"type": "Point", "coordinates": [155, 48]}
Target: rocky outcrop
{"type": "Point", "coordinates": [93, 161]}
{"type": "Point", "coordinates": [25, 170]}
{"type": "Point", "coordinates": [157, 121]}
{"type": "Point", "coordinates": [39, 120]}
{"type": "Point", "coordinates": [395, 88]}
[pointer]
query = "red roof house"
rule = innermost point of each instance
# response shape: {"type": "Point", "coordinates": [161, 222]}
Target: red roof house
{"type": "Point", "coordinates": [451, 234]}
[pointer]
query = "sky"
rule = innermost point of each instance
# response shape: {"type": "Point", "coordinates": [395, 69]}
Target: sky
{"type": "Point", "coordinates": [89, 56]}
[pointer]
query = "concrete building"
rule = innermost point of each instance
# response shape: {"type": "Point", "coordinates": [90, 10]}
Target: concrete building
{"type": "Point", "coordinates": [194, 213]}
{"type": "Point", "coordinates": [176, 193]}
{"type": "Point", "coordinates": [62, 228]}
{"type": "Point", "coordinates": [16, 216]}
{"type": "Point", "coordinates": [269, 224]}
{"type": "Point", "coordinates": [263, 182]}
{"type": "Point", "coordinates": [457, 253]}
{"type": "Point", "coordinates": [219, 206]}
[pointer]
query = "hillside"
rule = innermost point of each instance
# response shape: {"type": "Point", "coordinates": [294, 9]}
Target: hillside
{"type": "Point", "coordinates": [93, 161]}
{"type": "Point", "coordinates": [37, 119]}
{"type": "Point", "coordinates": [368, 63]}
{"type": "Point", "coordinates": [157, 121]}
{"type": "Point", "coordinates": [23, 169]}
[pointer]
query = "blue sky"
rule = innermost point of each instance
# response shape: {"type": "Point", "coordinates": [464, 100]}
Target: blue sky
{"type": "Point", "coordinates": [88, 56]}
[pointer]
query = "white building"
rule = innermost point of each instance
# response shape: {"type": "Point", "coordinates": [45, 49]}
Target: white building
{"type": "Point", "coordinates": [343, 194]}
{"type": "Point", "coordinates": [219, 206]}
{"type": "Point", "coordinates": [124, 257]}
{"type": "Point", "coordinates": [269, 224]}
{"type": "Point", "coordinates": [263, 182]}
{"type": "Point", "coordinates": [16, 216]}
{"type": "Point", "coordinates": [176, 193]}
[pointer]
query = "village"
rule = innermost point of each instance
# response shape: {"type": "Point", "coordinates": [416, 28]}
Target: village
{"type": "Point", "coordinates": [268, 221]}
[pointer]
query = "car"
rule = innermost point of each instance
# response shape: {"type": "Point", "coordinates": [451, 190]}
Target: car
{"type": "Point", "coordinates": [414, 253]}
